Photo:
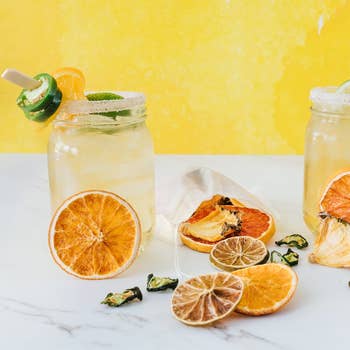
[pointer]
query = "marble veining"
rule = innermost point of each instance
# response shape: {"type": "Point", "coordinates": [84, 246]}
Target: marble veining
{"type": "Point", "coordinates": [228, 334]}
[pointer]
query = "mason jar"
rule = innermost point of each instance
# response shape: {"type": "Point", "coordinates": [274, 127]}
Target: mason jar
{"type": "Point", "coordinates": [327, 147]}
{"type": "Point", "coordinates": [104, 145]}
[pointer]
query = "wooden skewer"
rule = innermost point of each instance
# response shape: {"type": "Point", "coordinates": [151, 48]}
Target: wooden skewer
{"type": "Point", "coordinates": [20, 79]}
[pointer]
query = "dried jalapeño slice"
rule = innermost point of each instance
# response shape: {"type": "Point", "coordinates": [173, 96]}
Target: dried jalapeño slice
{"type": "Point", "coordinates": [291, 257]}
{"type": "Point", "coordinates": [296, 240]}
{"type": "Point", "coordinates": [155, 284]}
{"type": "Point", "coordinates": [118, 299]}
{"type": "Point", "coordinates": [277, 257]}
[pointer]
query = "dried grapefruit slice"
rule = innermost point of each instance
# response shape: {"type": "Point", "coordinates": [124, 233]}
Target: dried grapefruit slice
{"type": "Point", "coordinates": [237, 253]}
{"type": "Point", "coordinates": [267, 288]}
{"type": "Point", "coordinates": [255, 223]}
{"type": "Point", "coordinates": [94, 235]}
{"type": "Point", "coordinates": [336, 198]}
{"type": "Point", "coordinates": [204, 299]}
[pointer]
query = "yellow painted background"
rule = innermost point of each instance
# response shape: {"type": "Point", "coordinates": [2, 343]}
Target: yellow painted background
{"type": "Point", "coordinates": [220, 76]}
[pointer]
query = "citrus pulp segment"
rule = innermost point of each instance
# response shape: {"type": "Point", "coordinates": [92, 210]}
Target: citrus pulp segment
{"type": "Point", "coordinates": [94, 235]}
{"type": "Point", "coordinates": [207, 298]}
{"type": "Point", "coordinates": [267, 288]}
{"type": "Point", "coordinates": [237, 252]}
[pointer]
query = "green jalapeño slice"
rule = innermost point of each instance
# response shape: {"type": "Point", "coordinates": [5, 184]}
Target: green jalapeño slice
{"type": "Point", "coordinates": [295, 240]}
{"type": "Point", "coordinates": [155, 284]}
{"type": "Point", "coordinates": [41, 103]}
{"type": "Point", "coordinates": [118, 299]}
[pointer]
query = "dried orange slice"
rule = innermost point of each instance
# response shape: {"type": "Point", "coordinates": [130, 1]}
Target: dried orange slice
{"type": "Point", "coordinates": [336, 198]}
{"type": "Point", "coordinates": [94, 235]}
{"type": "Point", "coordinates": [267, 288]}
{"type": "Point", "coordinates": [204, 299]}
{"type": "Point", "coordinates": [71, 82]}
{"type": "Point", "coordinates": [237, 253]}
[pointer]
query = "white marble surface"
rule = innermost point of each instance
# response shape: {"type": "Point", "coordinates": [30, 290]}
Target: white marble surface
{"type": "Point", "coordinates": [43, 308]}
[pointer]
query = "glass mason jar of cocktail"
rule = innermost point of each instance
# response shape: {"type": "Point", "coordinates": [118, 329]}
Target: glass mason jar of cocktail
{"type": "Point", "coordinates": [104, 145]}
{"type": "Point", "coordinates": [327, 147]}
{"type": "Point", "coordinates": [101, 172]}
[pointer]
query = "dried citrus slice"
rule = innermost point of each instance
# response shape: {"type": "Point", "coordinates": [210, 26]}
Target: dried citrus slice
{"type": "Point", "coordinates": [237, 253]}
{"type": "Point", "coordinates": [204, 299]}
{"type": "Point", "coordinates": [255, 223]}
{"type": "Point", "coordinates": [71, 82]}
{"type": "Point", "coordinates": [267, 288]}
{"type": "Point", "coordinates": [336, 198]}
{"type": "Point", "coordinates": [94, 235]}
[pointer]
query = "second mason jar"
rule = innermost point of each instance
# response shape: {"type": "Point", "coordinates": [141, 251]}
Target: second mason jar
{"type": "Point", "coordinates": [104, 145]}
{"type": "Point", "coordinates": [327, 147]}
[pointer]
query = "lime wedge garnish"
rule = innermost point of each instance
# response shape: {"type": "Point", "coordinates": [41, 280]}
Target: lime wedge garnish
{"type": "Point", "coordinates": [100, 96]}
{"type": "Point", "coordinates": [344, 87]}
{"type": "Point", "coordinates": [103, 96]}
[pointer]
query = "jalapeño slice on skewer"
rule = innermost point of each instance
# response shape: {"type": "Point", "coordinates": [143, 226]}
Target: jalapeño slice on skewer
{"type": "Point", "coordinates": [40, 103]}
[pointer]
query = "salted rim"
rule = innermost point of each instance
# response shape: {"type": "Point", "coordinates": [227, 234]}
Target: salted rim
{"type": "Point", "coordinates": [130, 100]}
{"type": "Point", "coordinates": [328, 95]}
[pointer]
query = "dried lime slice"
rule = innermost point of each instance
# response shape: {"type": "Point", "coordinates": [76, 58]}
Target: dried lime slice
{"type": "Point", "coordinates": [237, 253]}
{"type": "Point", "coordinates": [205, 299]}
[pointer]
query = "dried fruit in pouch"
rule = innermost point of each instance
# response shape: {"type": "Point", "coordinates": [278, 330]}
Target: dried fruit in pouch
{"type": "Point", "coordinates": [118, 299]}
{"type": "Point", "coordinates": [156, 284]}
